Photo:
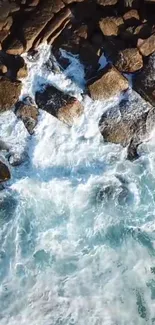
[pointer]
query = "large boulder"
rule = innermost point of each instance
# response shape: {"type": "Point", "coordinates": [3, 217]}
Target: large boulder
{"type": "Point", "coordinates": [132, 120]}
{"type": "Point", "coordinates": [33, 26]}
{"type": "Point", "coordinates": [28, 113]}
{"type": "Point", "coordinates": [110, 25]}
{"type": "Point", "coordinates": [108, 83]}
{"type": "Point", "coordinates": [147, 46]}
{"type": "Point", "coordinates": [129, 60]}
{"type": "Point", "coordinates": [9, 93]}
{"type": "Point", "coordinates": [144, 82]}
{"type": "Point", "coordinates": [63, 106]}
{"type": "Point", "coordinates": [4, 172]}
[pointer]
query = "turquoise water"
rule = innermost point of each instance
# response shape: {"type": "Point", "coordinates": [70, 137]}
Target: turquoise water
{"type": "Point", "coordinates": [77, 220]}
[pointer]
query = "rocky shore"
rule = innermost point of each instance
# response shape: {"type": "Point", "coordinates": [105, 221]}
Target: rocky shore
{"type": "Point", "coordinates": [121, 30]}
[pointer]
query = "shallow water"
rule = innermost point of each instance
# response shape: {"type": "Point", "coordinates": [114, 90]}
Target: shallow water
{"type": "Point", "coordinates": [77, 230]}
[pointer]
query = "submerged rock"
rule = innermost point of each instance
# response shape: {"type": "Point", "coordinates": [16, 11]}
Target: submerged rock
{"type": "Point", "coordinates": [4, 172]}
{"type": "Point", "coordinates": [63, 106]}
{"type": "Point", "coordinates": [128, 124]}
{"type": "Point", "coordinates": [108, 83]}
{"type": "Point", "coordinates": [9, 93]}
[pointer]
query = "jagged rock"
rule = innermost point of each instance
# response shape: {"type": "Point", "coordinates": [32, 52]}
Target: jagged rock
{"type": "Point", "coordinates": [6, 23]}
{"type": "Point", "coordinates": [147, 46]}
{"type": "Point", "coordinates": [56, 25]}
{"type": "Point", "coordinates": [28, 114]}
{"type": "Point", "coordinates": [63, 106]}
{"type": "Point", "coordinates": [144, 82]}
{"type": "Point", "coordinates": [130, 120]}
{"type": "Point", "coordinates": [4, 172]}
{"type": "Point", "coordinates": [110, 25]}
{"type": "Point", "coordinates": [7, 7]}
{"type": "Point", "coordinates": [129, 60]}
{"type": "Point", "coordinates": [15, 65]}
{"type": "Point", "coordinates": [107, 2]}
{"type": "Point", "coordinates": [132, 17]}
{"type": "Point", "coordinates": [34, 26]}
{"type": "Point", "coordinates": [108, 83]}
{"type": "Point", "coordinates": [9, 93]}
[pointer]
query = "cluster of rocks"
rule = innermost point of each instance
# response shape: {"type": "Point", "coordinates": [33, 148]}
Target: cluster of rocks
{"type": "Point", "coordinates": [121, 30]}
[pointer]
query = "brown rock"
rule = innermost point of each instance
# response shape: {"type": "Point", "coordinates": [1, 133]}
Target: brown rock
{"type": "Point", "coordinates": [34, 3]}
{"type": "Point", "coordinates": [107, 2]}
{"type": "Point", "coordinates": [56, 24]}
{"type": "Point", "coordinates": [131, 17]}
{"type": "Point", "coordinates": [4, 172]}
{"type": "Point", "coordinates": [108, 83]}
{"type": "Point", "coordinates": [28, 114]}
{"type": "Point", "coordinates": [15, 47]}
{"type": "Point", "coordinates": [6, 23]}
{"type": "Point", "coordinates": [147, 47]}
{"type": "Point", "coordinates": [58, 32]}
{"type": "Point", "coordinates": [61, 105]}
{"type": "Point", "coordinates": [3, 68]}
{"type": "Point", "coordinates": [22, 72]}
{"type": "Point", "coordinates": [71, 1]}
{"type": "Point", "coordinates": [82, 31]}
{"type": "Point", "coordinates": [3, 35]}
{"type": "Point", "coordinates": [133, 13]}
{"type": "Point", "coordinates": [33, 26]}
{"type": "Point", "coordinates": [9, 93]}
{"type": "Point", "coordinates": [7, 7]}
{"type": "Point", "coordinates": [110, 25]}
{"type": "Point", "coordinates": [129, 60]}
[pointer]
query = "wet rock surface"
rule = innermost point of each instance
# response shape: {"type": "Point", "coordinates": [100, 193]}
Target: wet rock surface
{"type": "Point", "coordinates": [63, 106]}
{"type": "Point", "coordinates": [128, 122]}
{"type": "Point", "coordinates": [28, 113]}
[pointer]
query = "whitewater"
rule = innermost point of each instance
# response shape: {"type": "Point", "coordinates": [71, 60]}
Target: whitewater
{"type": "Point", "coordinates": [77, 220]}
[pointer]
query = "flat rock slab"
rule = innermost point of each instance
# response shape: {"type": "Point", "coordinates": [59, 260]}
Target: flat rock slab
{"type": "Point", "coordinates": [9, 93]}
{"type": "Point", "coordinates": [131, 119]}
{"type": "Point", "coordinates": [108, 83]}
{"type": "Point", "coordinates": [4, 172]}
{"type": "Point", "coordinates": [144, 82]}
{"type": "Point", "coordinates": [63, 106]}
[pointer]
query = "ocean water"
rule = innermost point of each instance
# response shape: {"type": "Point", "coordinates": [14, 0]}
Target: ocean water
{"type": "Point", "coordinates": [77, 220]}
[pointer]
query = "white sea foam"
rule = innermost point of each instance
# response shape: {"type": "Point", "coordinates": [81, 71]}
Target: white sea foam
{"type": "Point", "coordinates": [77, 226]}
